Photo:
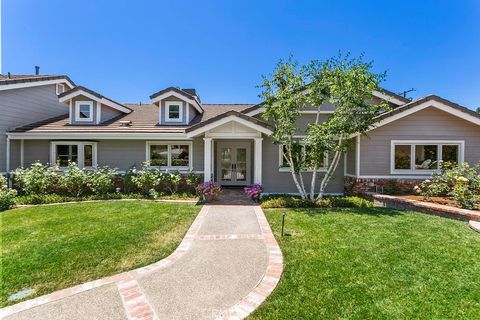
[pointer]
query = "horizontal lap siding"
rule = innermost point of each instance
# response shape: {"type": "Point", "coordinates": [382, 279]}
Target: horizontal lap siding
{"type": "Point", "coordinates": [428, 124]}
{"type": "Point", "coordinates": [282, 182]}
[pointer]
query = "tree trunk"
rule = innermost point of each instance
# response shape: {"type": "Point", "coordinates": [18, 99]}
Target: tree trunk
{"type": "Point", "coordinates": [300, 188]}
{"type": "Point", "coordinates": [331, 169]}
{"type": "Point", "coordinates": [314, 173]}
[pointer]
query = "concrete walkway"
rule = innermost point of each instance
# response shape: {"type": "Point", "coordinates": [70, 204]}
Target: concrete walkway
{"type": "Point", "coordinates": [227, 264]}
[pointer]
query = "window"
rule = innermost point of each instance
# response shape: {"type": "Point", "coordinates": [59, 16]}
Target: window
{"type": "Point", "coordinates": [424, 156]}
{"type": "Point", "coordinates": [83, 111]}
{"type": "Point", "coordinates": [82, 153]}
{"type": "Point", "coordinates": [174, 111]}
{"type": "Point", "coordinates": [283, 163]}
{"type": "Point", "coordinates": [170, 155]}
{"type": "Point", "coordinates": [60, 88]}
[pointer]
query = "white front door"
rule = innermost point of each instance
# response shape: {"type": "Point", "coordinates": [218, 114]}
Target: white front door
{"type": "Point", "coordinates": [233, 163]}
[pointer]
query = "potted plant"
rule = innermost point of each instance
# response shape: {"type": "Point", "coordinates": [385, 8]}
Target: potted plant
{"type": "Point", "coordinates": [209, 190]}
{"type": "Point", "coordinates": [254, 191]}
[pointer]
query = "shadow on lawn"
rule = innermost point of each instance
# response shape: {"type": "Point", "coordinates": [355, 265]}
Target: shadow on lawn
{"type": "Point", "coordinates": [371, 211]}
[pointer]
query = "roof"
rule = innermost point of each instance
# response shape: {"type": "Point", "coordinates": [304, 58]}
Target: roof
{"type": "Point", "coordinates": [26, 78]}
{"type": "Point", "coordinates": [93, 93]}
{"type": "Point", "coordinates": [144, 118]}
{"type": "Point", "coordinates": [393, 94]}
{"type": "Point", "coordinates": [227, 114]}
{"type": "Point", "coordinates": [186, 92]}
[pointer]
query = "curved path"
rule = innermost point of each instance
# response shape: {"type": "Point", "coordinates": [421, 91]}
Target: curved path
{"type": "Point", "coordinates": [226, 265]}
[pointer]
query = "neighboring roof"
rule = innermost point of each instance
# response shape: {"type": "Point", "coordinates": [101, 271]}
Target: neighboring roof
{"type": "Point", "coordinates": [394, 95]}
{"type": "Point", "coordinates": [425, 102]}
{"type": "Point", "coordinates": [79, 90]}
{"type": "Point", "coordinates": [144, 119]}
{"type": "Point", "coordinates": [23, 80]}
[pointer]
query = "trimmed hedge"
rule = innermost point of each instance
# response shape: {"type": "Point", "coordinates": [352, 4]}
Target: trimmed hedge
{"type": "Point", "coordinates": [289, 201]}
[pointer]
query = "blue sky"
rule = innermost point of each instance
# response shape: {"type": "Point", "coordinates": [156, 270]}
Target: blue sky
{"type": "Point", "coordinates": [127, 50]}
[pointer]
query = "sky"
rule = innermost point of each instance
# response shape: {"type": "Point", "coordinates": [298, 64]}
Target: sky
{"type": "Point", "coordinates": [127, 50]}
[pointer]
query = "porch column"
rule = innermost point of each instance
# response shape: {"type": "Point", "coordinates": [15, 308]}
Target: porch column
{"type": "Point", "coordinates": [257, 175]}
{"type": "Point", "coordinates": [7, 156]}
{"type": "Point", "coordinates": [207, 156]}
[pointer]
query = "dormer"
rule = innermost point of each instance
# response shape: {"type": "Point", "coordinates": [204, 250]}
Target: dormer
{"type": "Point", "coordinates": [87, 107]}
{"type": "Point", "coordinates": [176, 106]}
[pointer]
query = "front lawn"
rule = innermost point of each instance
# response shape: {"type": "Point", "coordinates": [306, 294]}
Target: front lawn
{"type": "Point", "coordinates": [48, 248]}
{"type": "Point", "coordinates": [374, 263]}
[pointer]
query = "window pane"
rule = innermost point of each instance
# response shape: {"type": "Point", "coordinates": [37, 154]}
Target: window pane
{"type": "Point", "coordinates": [87, 155]}
{"type": "Point", "coordinates": [402, 157]}
{"type": "Point", "coordinates": [426, 157]}
{"type": "Point", "coordinates": [174, 111]}
{"type": "Point", "coordinates": [84, 111]}
{"type": "Point", "coordinates": [284, 162]}
{"type": "Point", "coordinates": [450, 153]}
{"type": "Point", "coordinates": [180, 155]}
{"type": "Point", "coordinates": [62, 155]}
{"type": "Point", "coordinates": [159, 155]}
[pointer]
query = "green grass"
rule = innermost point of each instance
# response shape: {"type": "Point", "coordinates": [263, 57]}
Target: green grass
{"type": "Point", "coordinates": [374, 263]}
{"type": "Point", "coordinates": [53, 247]}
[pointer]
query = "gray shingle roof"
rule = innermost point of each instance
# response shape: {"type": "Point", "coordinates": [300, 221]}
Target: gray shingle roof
{"type": "Point", "coordinates": [23, 78]}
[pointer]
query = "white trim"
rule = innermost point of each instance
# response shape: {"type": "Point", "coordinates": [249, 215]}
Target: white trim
{"type": "Point", "coordinates": [99, 113]}
{"type": "Point", "coordinates": [287, 169]}
{"type": "Point", "coordinates": [22, 157]}
{"type": "Point", "coordinates": [34, 84]}
{"type": "Point", "coordinates": [77, 111]}
{"type": "Point", "coordinates": [207, 161]}
{"type": "Point", "coordinates": [255, 112]}
{"type": "Point", "coordinates": [169, 144]}
{"type": "Point", "coordinates": [388, 98]}
{"type": "Point", "coordinates": [357, 156]}
{"type": "Point", "coordinates": [168, 104]}
{"type": "Point", "coordinates": [424, 105]}
{"type": "Point", "coordinates": [257, 164]}
{"type": "Point", "coordinates": [7, 155]}
{"type": "Point", "coordinates": [104, 101]}
{"type": "Point", "coordinates": [57, 88]}
{"type": "Point", "coordinates": [114, 105]}
{"type": "Point", "coordinates": [229, 135]}
{"type": "Point", "coordinates": [54, 134]}
{"type": "Point", "coordinates": [413, 143]}
{"type": "Point", "coordinates": [187, 111]}
{"type": "Point", "coordinates": [70, 112]}
{"type": "Point", "coordinates": [226, 120]}
{"type": "Point", "coordinates": [167, 94]}
{"type": "Point", "coordinates": [81, 157]}
{"type": "Point", "coordinates": [400, 177]}
{"type": "Point", "coordinates": [349, 175]}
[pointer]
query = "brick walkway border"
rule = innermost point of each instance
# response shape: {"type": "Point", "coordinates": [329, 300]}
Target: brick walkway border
{"type": "Point", "coordinates": [425, 207]}
{"type": "Point", "coordinates": [270, 279]}
{"type": "Point", "coordinates": [123, 277]}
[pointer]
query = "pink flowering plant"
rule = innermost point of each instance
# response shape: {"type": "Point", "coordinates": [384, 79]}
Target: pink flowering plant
{"type": "Point", "coordinates": [254, 191]}
{"type": "Point", "coordinates": [209, 188]}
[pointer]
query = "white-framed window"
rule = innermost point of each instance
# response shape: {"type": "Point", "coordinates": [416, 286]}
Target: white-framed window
{"type": "Point", "coordinates": [173, 111]}
{"type": "Point", "coordinates": [83, 153]}
{"type": "Point", "coordinates": [60, 88]}
{"type": "Point", "coordinates": [170, 155]}
{"type": "Point", "coordinates": [84, 111]}
{"type": "Point", "coordinates": [285, 167]}
{"type": "Point", "coordinates": [423, 156]}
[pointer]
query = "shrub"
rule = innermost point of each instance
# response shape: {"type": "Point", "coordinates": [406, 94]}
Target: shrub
{"type": "Point", "coordinates": [145, 178]}
{"type": "Point", "coordinates": [461, 182]}
{"type": "Point", "coordinates": [37, 179]}
{"type": "Point", "coordinates": [171, 180]}
{"type": "Point", "coordinates": [193, 180]}
{"type": "Point", "coordinates": [101, 180]}
{"type": "Point", "coordinates": [6, 195]}
{"type": "Point", "coordinates": [289, 201]}
{"type": "Point", "coordinates": [74, 180]}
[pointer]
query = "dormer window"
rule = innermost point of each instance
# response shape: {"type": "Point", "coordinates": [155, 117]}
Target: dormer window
{"type": "Point", "coordinates": [174, 111]}
{"type": "Point", "coordinates": [60, 88]}
{"type": "Point", "coordinates": [84, 111]}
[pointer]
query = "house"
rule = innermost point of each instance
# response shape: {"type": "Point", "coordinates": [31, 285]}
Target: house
{"type": "Point", "coordinates": [51, 120]}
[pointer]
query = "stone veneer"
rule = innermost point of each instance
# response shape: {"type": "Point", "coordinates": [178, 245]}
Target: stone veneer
{"type": "Point", "coordinates": [355, 186]}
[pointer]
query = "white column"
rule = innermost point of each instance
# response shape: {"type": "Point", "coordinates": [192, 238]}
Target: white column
{"type": "Point", "coordinates": [257, 175]}
{"type": "Point", "coordinates": [21, 154]}
{"type": "Point", "coordinates": [7, 163]}
{"type": "Point", "coordinates": [207, 155]}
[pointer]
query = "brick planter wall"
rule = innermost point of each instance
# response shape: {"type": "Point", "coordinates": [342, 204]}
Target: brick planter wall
{"type": "Point", "coordinates": [387, 201]}
{"type": "Point", "coordinates": [355, 186]}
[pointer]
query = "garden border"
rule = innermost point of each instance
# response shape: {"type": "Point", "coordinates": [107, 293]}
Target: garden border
{"type": "Point", "coordinates": [107, 200]}
{"type": "Point", "coordinates": [475, 225]}
{"type": "Point", "coordinates": [383, 200]}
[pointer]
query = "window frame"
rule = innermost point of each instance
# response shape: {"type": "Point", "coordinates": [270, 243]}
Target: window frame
{"type": "Point", "coordinates": [287, 169]}
{"type": "Point", "coordinates": [77, 111]}
{"type": "Point", "coordinates": [168, 104]}
{"type": "Point", "coordinates": [169, 145]}
{"type": "Point", "coordinates": [57, 88]}
{"type": "Point", "coordinates": [81, 153]}
{"type": "Point", "coordinates": [414, 143]}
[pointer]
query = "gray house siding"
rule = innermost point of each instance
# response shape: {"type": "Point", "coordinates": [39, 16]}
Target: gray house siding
{"type": "Point", "coordinates": [275, 181]}
{"type": "Point", "coordinates": [351, 158]}
{"type": "Point", "coordinates": [36, 150]}
{"type": "Point", "coordinates": [23, 106]}
{"type": "Point", "coordinates": [427, 124]}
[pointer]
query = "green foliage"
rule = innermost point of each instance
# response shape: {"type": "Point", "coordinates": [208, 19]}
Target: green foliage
{"type": "Point", "coordinates": [6, 195]}
{"type": "Point", "coordinates": [74, 180]}
{"type": "Point", "coordinates": [171, 180]}
{"type": "Point", "coordinates": [145, 178]}
{"type": "Point", "coordinates": [462, 182]}
{"type": "Point", "coordinates": [101, 180]}
{"type": "Point", "coordinates": [289, 201]}
{"type": "Point", "coordinates": [194, 180]}
{"type": "Point", "coordinates": [38, 179]}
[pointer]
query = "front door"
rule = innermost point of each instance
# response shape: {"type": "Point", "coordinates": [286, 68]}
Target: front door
{"type": "Point", "coordinates": [233, 163]}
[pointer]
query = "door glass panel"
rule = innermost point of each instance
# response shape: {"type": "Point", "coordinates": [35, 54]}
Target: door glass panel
{"type": "Point", "coordinates": [241, 170]}
{"type": "Point", "coordinates": [226, 164]}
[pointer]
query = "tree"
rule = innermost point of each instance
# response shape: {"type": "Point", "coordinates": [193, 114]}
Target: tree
{"type": "Point", "coordinates": [342, 81]}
